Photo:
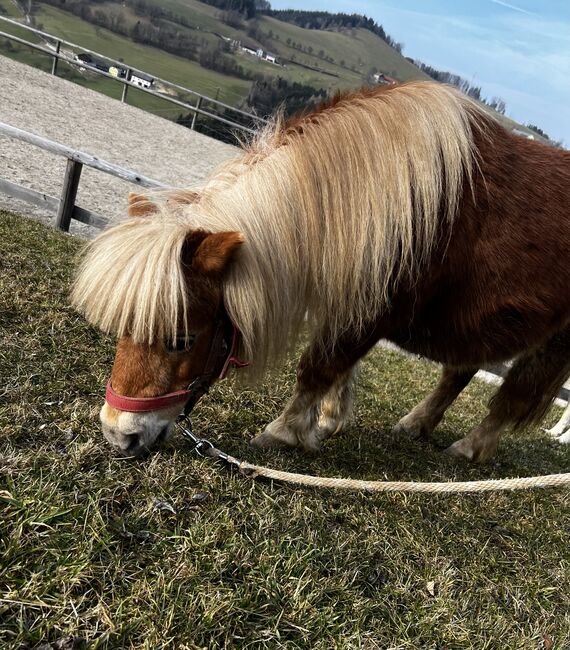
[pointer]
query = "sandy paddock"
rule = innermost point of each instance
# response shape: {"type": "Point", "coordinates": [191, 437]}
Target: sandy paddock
{"type": "Point", "coordinates": [83, 119]}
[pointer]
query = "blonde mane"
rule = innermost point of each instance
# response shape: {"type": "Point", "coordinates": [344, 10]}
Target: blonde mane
{"type": "Point", "coordinates": [334, 209]}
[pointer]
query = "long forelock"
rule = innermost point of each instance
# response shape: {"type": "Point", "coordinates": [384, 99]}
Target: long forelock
{"type": "Point", "coordinates": [131, 280]}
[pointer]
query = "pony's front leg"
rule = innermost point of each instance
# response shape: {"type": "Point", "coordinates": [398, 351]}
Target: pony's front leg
{"type": "Point", "coordinates": [316, 411]}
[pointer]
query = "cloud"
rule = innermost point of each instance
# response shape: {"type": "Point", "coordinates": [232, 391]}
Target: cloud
{"type": "Point", "coordinates": [513, 7]}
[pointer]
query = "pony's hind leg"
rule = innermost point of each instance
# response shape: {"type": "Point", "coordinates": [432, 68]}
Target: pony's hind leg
{"type": "Point", "coordinates": [311, 416]}
{"type": "Point", "coordinates": [528, 390]}
{"type": "Point", "coordinates": [422, 420]}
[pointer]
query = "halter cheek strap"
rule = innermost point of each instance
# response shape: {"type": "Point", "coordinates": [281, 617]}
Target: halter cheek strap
{"type": "Point", "coordinates": [220, 352]}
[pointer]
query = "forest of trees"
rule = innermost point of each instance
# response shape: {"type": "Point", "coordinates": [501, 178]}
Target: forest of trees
{"type": "Point", "coordinates": [538, 130]}
{"type": "Point", "coordinates": [459, 82]}
{"type": "Point", "coordinates": [329, 21]}
{"type": "Point", "coordinates": [270, 93]}
{"type": "Point", "coordinates": [246, 8]}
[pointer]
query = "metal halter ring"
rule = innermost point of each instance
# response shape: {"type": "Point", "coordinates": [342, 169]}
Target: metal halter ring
{"type": "Point", "coordinates": [201, 445]}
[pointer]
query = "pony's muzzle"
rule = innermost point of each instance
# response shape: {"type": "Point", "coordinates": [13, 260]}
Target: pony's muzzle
{"type": "Point", "coordinates": [134, 444]}
{"type": "Point", "coordinates": [135, 434]}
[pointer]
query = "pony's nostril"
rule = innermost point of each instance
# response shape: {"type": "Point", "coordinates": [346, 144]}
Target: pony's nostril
{"type": "Point", "coordinates": [134, 442]}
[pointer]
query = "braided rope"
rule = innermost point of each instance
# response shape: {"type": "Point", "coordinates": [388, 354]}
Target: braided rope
{"type": "Point", "coordinates": [450, 487]}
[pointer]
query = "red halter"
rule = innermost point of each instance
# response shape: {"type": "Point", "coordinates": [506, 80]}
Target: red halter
{"type": "Point", "coordinates": [220, 352]}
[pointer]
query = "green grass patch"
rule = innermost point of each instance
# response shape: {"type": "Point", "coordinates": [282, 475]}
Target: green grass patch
{"type": "Point", "coordinates": [10, 9]}
{"type": "Point", "coordinates": [89, 559]}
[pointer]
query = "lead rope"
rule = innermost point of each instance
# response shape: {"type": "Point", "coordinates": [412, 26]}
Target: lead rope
{"type": "Point", "coordinates": [206, 449]}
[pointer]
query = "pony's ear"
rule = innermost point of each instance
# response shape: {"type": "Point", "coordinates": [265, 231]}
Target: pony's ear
{"type": "Point", "coordinates": [140, 206]}
{"type": "Point", "coordinates": [212, 252]}
{"type": "Point", "coordinates": [184, 197]}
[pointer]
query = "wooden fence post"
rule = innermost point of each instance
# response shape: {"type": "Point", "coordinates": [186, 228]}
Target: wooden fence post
{"type": "Point", "coordinates": [68, 194]}
{"type": "Point", "coordinates": [55, 59]}
{"type": "Point", "coordinates": [195, 116]}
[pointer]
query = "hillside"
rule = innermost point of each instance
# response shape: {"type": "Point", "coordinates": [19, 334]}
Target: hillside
{"type": "Point", "coordinates": [153, 60]}
{"type": "Point", "coordinates": [210, 60]}
{"type": "Point", "coordinates": [338, 60]}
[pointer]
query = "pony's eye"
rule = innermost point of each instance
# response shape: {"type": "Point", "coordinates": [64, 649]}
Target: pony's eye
{"type": "Point", "coordinates": [181, 343]}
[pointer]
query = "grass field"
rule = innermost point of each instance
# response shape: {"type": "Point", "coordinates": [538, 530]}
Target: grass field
{"type": "Point", "coordinates": [174, 552]}
{"type": "Point", "coordinates": [181, 71]}
{"type": "Point", "coordinates": [9, 9]}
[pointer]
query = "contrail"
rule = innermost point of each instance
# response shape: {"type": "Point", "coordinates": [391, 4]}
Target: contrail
{"type": "Point", "coordinates": [514, 7]}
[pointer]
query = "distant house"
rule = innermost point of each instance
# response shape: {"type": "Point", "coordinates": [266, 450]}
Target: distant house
{"type": "Point", "coordinates": [141, 79]}
{"type": "Point", "coordinates": [89, 61]}
{"type": "Point", "coordinates": [84, 58]}
{"type": "Point", "coordinates": [384, 79]}
{"type": "Point", "coordinates": [250, 49]}
{"type": "Point", "coordinates": [256, 51]}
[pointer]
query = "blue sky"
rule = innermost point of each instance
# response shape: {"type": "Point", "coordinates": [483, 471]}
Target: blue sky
{"type": "Point", "coordinates": [518, 50]}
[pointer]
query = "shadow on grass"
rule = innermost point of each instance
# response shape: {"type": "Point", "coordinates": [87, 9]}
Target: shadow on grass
{"type": "Point", "coordinates": [364, 451]}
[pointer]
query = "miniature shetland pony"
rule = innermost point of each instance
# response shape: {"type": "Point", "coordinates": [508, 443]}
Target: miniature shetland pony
{"type": "Point", "coordinates": [405, 213]}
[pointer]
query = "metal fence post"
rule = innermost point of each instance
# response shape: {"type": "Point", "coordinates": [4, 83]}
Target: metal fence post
{"type": "Point", "coordinates": [195, 116]}
{"type": "Point", "coordinates": [68, 194]}
{"type": "Point", "coordinates": [55, 59]}
{"type": "Point", "coordinates": [126, 86]}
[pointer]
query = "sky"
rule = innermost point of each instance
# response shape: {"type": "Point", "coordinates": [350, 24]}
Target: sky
{"type": "Point", "coordinates": [517, 50]}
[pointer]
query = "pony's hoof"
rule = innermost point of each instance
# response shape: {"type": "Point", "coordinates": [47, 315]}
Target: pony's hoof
{"type": "Point", "coordinates": [411, 428]}
{"type": "Point", "coordinates": [467, 450]}
{"type": "Point", "coordinates": [460, 449]}
{"type": "Point", "coordinates": [276, 436]}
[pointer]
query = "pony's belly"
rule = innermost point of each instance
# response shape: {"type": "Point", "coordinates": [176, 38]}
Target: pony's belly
{"type": "Point", "coordinates": [473, 348]}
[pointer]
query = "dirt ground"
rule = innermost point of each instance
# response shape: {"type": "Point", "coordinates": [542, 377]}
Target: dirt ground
{"type": "Point", "coordinates": [82, 119]}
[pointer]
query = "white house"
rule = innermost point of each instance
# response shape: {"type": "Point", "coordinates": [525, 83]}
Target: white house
{"type": "Point", "coordinates": [142, 80]}
{"type": "Point", "coordinates": [249, 50]}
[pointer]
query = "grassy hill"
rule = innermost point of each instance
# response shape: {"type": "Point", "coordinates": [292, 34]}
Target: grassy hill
{"type": "Point", "coordinates": [155, 61]}
{"type": "Point", "coordinates": [353, 52]}
{"type": "Point", "coordinates": [329, 60]}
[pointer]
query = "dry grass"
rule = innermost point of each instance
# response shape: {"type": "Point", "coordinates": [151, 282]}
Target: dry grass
{"type": "Point", "coordinates": [90, 555]}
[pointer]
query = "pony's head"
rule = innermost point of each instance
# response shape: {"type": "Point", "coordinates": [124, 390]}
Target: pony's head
{"type": "Point", "coordinates": [175, 337]}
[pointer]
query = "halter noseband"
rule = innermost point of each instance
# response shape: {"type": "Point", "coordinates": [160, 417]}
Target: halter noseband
{"type": "Point", "coordinates": [222, 351]}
